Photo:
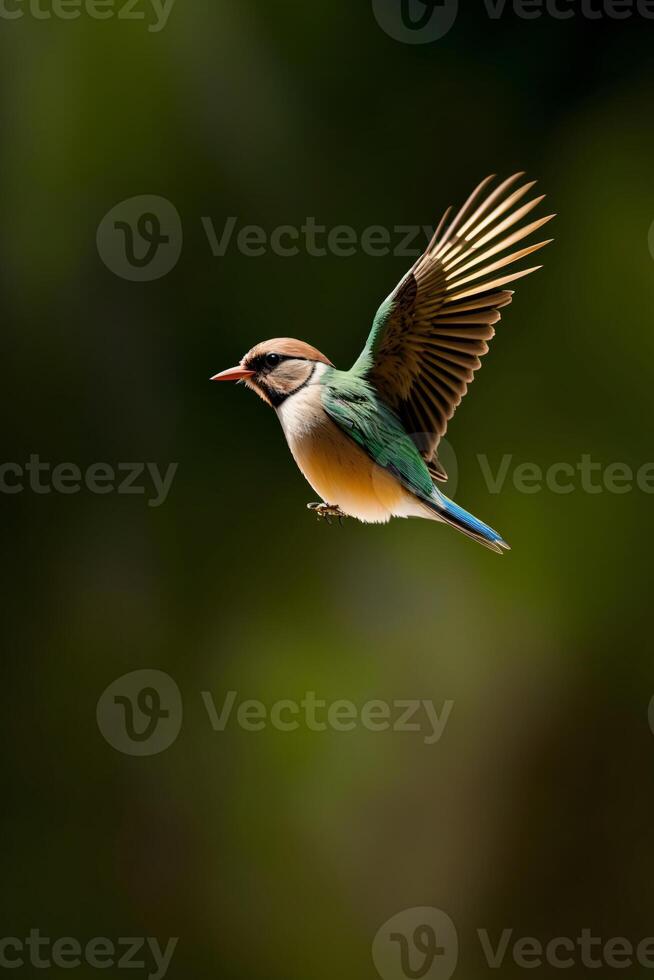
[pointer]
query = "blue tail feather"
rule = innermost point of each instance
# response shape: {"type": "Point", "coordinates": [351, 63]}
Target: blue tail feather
{"type": "Point", "coordinates": [468, 523]}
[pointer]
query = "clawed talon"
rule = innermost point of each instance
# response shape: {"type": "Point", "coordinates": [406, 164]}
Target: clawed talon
{"type": "Point", "coordinates": [325, 512]}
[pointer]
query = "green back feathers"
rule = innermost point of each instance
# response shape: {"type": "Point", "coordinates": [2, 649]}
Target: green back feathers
{"type": "Point", "coordinates": [383, 316]}
{"type": "Point", "coordinates": [352, 404]}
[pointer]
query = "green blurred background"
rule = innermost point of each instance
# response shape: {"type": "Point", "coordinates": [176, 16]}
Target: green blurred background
{"type": "Point", "coordinates": [279, 855]}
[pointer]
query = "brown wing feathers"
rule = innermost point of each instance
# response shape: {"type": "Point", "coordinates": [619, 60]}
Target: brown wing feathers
{"type": "Point", "coordinates": [445, 309]}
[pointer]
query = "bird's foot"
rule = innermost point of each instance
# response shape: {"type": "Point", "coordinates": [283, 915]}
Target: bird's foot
{"type": "Point", "coordinates": [325, 512]}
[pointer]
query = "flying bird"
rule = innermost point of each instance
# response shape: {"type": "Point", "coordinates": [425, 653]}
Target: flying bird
{"type": "Point", "coordinates": [367, 439]}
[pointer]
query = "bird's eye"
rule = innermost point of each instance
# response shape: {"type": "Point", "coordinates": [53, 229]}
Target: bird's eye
{"type": "Point", "coordinates": [272, 360]}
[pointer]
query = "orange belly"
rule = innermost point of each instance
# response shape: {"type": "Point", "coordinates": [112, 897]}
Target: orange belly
{"type": "Point", "coordinates": [343, 474]}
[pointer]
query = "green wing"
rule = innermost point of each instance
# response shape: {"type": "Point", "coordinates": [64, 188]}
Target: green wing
{"type": "Point", "coordinates": [429, 335]}
{"type": "Point", "coordinates": [351, 403]}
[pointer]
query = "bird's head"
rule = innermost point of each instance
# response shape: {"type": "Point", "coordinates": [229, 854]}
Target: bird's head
{"type": "Point", "coordinates": [277, 368]}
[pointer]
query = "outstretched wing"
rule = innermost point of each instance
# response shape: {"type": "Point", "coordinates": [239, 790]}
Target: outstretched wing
{"type": "Point", "coordinates": [428, 336]}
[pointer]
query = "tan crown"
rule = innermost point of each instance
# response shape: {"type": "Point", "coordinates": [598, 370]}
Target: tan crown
{"type": "Point", "coordinates": [288, 347]}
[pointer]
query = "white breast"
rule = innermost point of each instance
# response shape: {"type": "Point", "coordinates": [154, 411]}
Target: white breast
{"type": "Point", "coordinates": [302, 412]}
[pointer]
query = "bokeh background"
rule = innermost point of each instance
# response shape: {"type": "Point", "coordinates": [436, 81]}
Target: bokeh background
{"type": "Point", "coordinates": [280, 855]}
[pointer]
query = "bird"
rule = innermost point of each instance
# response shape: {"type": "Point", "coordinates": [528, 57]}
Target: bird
{"type": "Point", "coordinates": [366, 439]}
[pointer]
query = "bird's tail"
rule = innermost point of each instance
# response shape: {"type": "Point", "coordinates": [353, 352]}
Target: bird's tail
{"type": "Point", "coordinates": [449, 512]}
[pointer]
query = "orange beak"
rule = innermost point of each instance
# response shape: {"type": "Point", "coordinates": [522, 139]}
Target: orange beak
{"type": "Point", "coordinates": [233, 374]}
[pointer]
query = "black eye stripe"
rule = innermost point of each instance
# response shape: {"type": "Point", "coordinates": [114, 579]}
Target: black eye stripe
{"type": "Point", "coordinates": [259, 363]}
